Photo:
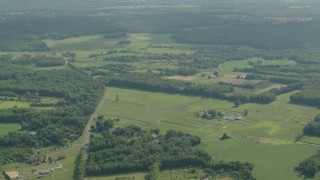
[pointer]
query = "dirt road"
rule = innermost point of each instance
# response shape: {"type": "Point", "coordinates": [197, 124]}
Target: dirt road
{"type": "Point", "coordinates": [92, 118]}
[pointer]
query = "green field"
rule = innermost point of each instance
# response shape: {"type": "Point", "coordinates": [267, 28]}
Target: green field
{"type": "Point", "coordinates": [264, 138]}
{"type": "Point", "coordinates": [95, 44]}
{"type": "Point", "coordinates": [6, 128]}
{"type": "Point", "coordinates": [11, 104]}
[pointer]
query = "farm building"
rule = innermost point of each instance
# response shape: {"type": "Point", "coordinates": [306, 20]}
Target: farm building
{"type": "Point", "coordinates": [232, 117]}
{"type": "Point", "coordinates": [13, 174]}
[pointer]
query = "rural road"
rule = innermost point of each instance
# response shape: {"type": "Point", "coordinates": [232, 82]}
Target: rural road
{"type": "Point", "coordinates": [92, 118]}
{"type": "Point", "coordinates": [87, 131]}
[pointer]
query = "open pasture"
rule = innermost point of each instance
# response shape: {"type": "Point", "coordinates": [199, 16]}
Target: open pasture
{"type": "Point", "coordinates": [266, 130]}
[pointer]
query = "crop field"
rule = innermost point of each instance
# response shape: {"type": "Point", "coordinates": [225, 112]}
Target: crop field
{"type": "Point", "coordinates": [265, 137]}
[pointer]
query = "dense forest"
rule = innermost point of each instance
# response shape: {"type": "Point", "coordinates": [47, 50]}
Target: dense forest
{"type": "Point", "coordinates": [57, 126]}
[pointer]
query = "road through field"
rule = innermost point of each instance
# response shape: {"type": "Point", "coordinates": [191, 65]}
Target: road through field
{"type": "Point", "coordinates": [87, 131]}
{"type": "Point", "coordinates": [92, 118]}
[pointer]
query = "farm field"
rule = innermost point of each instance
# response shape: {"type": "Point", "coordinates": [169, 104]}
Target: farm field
{"type": "Point", "coordinates": [265, 137]}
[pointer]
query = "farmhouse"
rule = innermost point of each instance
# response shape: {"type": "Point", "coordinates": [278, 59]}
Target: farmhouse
{"type": "Point", "coordinates": [13, 174]}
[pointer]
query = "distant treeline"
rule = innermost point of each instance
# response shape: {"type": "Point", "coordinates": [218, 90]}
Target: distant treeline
{"type": "Point", "coordinates": [265, 36]}
{"type": "Point", "coordinates": [17, 35]}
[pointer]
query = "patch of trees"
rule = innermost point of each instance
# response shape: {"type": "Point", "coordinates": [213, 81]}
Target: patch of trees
{"type": "Point", "coordinates": [253, 77]}
{"type": "Point", "coordinates": [313, 128]}
{"type": "Point", "coordinates": [178, 71]}
{"type": "Point", "coordinates": [40, 61]}
{"type": "Point", "coordinates": [124, 42]}
{"type": "Point", "coordinates": [109, 69]}
{"type": "Point", "coordinates": [14, 154]}
{"type": "Point", "coordinates": [209, 114]}
{"type": "Point", "coordinates": [306, 97]}
{"type": "Point", "coordinates": [115, 35]}
{"type": "Point", "coordinates": [261, 98]}
{"type": "Point", "coordinates": [118, 68]}
{"type": "Point", "coordinates": [160, 46]}
{"type": "Point", "coordinates": [283, 80]}
{"type": "Point", "coordinates": [79, 168]}
{"type": "Point", "coordinates": [310, 166]}
{"type": "Point", "coordinates": [309, 93]}
{"type": "Point", "coordinates": [131, 149]}
{"type": "Point", "coordinates": [154, 172]}
{"type": "Point", "coordinates": [104, 124]}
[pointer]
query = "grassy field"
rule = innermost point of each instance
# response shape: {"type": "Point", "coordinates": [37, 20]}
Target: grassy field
{"type": "Point", "coordinates": [85, 45]}
{"type": "Point", "coordinates": [264, 138]}
{"type": "Point", "coordinates": [6, 128]}
{"type": "Point", "coordinates": [11, 104]}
